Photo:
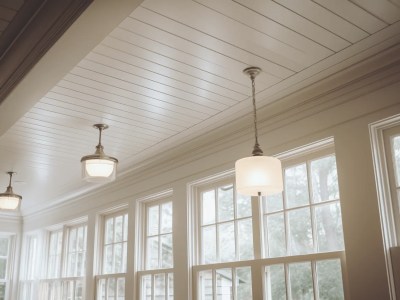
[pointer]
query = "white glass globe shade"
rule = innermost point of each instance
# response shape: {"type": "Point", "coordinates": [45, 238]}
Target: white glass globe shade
{"type": "Point", "coordinates": [9, 202]}
{"type": "Point", "coordinates": [98, 170]}
{"type": "Point", "coordinates": [258, 174]}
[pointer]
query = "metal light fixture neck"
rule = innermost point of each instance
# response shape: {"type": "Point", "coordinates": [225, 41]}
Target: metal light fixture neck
{"type": "Point", "coordinates": [9, 200]}
{"type": "Point", "coordinates": [99, 167]}
{"type": "Point", "coordinates": [257, 175]}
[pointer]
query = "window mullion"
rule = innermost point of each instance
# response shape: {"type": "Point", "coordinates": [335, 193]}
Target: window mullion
{"type": "Point", "coordinates": [314, 279]}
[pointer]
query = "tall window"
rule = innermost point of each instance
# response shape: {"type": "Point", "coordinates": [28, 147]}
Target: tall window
{"type": "Point", "coordinates": [156, 278]}
{"type": "Point", "coordinates": [5, 244]}
{"type": "Point", "coordinates": [28, 275]}
{"type": "Point", "coordinates": [66, 262]}
{"type": "Point", "coordinates": [292, 242]}
{"type": "Point", "coordinates": [111, 282]}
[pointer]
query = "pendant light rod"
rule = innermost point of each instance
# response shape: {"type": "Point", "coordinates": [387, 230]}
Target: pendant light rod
{"type": "Point", "coordinates": [11, 174]}
{"type": "Point", "coordinates": [100, 127]}
{"type": "Point", "coordinates": [252, 72]}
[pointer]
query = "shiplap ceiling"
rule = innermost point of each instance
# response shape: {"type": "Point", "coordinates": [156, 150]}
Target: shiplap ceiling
{"type": "Point", "coordinates": [172, 70]}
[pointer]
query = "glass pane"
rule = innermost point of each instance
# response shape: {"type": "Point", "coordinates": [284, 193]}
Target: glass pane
{"type": "Point", "coordinates": [225, 203]}
{"type": "Point", "coordinates": [329, 227]}
{"type": "Point", "coordinates": [208, 207]}
{"type": "Point", "coordinates": [108, 259]}
{"type": "Point", "coordinates": [81, 238]}
{"type": "Point", "coordinates": [296, 186]}
{"type": "Point", "coordinates": [126, 227]}
{"type": "Point", "coordinates": [159, 286]}
{"type": "Point", "coordinates": [3, 246]}
{"type": "Point", "coordinates": [81, 259]}
{"type": "Point", "coordinates": [329, 276]}
{"type": "Point", "coordinates": [243, 284]}
{"type": "Point", "coordinates": [72, 239]}
{"type": "Point", "coordinates": [170, 286]}
{"type": "Point", "coordinates": [166, 251]}
{"type": "Point", "coordinates": [206, 285]}
{"type": "Point", "coordinates": [245, 238]}
{"type": "Point", "coordinates": [224, 284]}
{"type": "Point", "coordinates": [101, 289]}
{"type": "Point", "coordinates": [324, 179]}
{"type": "Point", "coordinates": [120, 288]}
{"type": "Point", "coordinates": [3, 267]}
{"type": "Point", "coordinates": [275, 282]}
{"type": "Point", "coordinates": [109, 230]}
{"type": "Point", "coordinates": [243, 206]}
{"type": "Point", "coordinates": [226, 233]}
{"type": "Point", "coordinates": [276, 237]}
{"type": "Point", "coordinates": [2, 291]}
{"type": "Point", "coordinates": [273, 203]}
{"type": "Point", "coordinates": [146, 288]}
{"type": "Point", "coordinates": [166, 217]}
{"type": "Point", "coordinates": [209, 247]}
{"type": "Point", "coordinates": [111, 291]}
{"type": "Point", "coordinates": [118, 267]}
{"type": "Point", "coordinates": [118, 230]}
{"type": "Point", "coordinates": [153, 220]}
{"type": "Point", "coordinates": [71, 264]}
{"type": "Point", "coordinates": [152, 253]}
{"type": "Point", "coordinates": [396, 158]}
{"type": "Point", "coordinates": [301, 286]}
{"type": "Point", "coordinates": [300, 233]}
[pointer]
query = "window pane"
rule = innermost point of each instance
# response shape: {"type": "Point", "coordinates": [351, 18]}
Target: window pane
{"type": "Point", "coordinates": [226, 233]}
{"type": "Point", "coordinates": [275, 282]}
{"type": "Point", "coordinates": [166, 251]}
{"type": "Point", "coordinates": [166, 217]}
{"type": "Point", "coordinates": [300, 233]}
{"type": "Point", "coordinates": [324, 179]}
{"type": "Point", "coordinates": [108, 259]}
{"type": "Point", "coordinates": [2, 291]}
{"type": "Point", "coordinates": [273, 203]}
{"type": "Point", "coordinates": [72, 239]}
{"type": "Point", "coordinates": [71, 264]}
{"type": "Point", "coordinates": [225, 203]}
{"type": "Point", "coordinates": [125, 227]}
{"type": "Point", "coordinates": [159, 286]}
{"type": "Point", "coordinates": [301, 286]}
{"type": "Point", "coordinates": [3, 246]}
{"type": "Point", "coordinates": [118, 230]}
{"type": "Point", "coordinates": [152, 220]}
{"type": "Point", "coordinates": [396, 158]}
{"type": "Point", "coordinates": [111, 291]}
{"type": "Point", "coordinates": [243, 283]}
{"type": "Point", "coordinates": [152, 253]}
{"type": "Point", "coordinates": [245, 238]}
{"type": "Point", "coordinates": [209, 244]}
{"type": "Point", "coordinates": [208, 207]}
{"type": "Point", "coordinates": [276, 237]}
{"type": "Point", "coordinates": [224, 284]}
{"type": "Point", "coordinates": [329, 276]}
{"type": "Point", "coordinates": [3, 267]}
{"type": "Point", "coordinates": [146, 288]}
{"type": "Point", "coordinates": [243, 206]}
{"type": "Point", "coordinates": [109, 230]}
{"type": "Point", "coordinates": [170, 286]}
{"type": "Point", "coordinates": [296, 186]}
{"type": "Point", "coordinates": [118, 267]}
{"type": "Point", "coordinates": [206, 285]}
{"type": "Point", "coordinates": [329, 227]}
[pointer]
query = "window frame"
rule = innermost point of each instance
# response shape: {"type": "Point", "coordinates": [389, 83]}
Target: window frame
{"type": "Point", "coordinates": [9, 262]}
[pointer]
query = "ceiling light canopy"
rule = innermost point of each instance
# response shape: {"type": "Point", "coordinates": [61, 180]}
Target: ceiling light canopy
{"type": "Point", "coordinates": [99, 167]}
{"type": "Point", "coordinates": [9, 200]}
{"type": "Point", "coordinates": [257, 175]}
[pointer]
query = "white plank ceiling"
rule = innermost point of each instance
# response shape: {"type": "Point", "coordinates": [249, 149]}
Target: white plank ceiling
{"type": "Point", "coordinates": [173, 68]}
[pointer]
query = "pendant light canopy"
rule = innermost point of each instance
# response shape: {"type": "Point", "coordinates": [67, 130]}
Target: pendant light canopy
{"type": "Point", "coordinates": [257, 175]}
{"type": "Point", "coordinates": [99, 167]}
{"type": "Point", "coordinates": [9, 200]}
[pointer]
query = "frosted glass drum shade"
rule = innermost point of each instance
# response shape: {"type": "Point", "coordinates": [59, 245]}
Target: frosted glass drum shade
{"type": "Point", "coordinates": [9, 202]}
{"type": "Point", "coordinates": [99, 170]}
{"type": "Point", "coordinates": [258, 174]}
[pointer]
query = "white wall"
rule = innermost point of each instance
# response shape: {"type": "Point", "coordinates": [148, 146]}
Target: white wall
{"type": "Point", "coordinates": [343, 114]}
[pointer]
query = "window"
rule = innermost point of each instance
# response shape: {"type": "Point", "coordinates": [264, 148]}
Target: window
{"type": "Point", "coordinates": [293, 241]}
{"type": "Point", "coordinates": [111, 282]}
{"type": "Point", "coordinates": [156, 277]}
{"type": "Point", "coordinates": [66, 262]}
{"type": "Point", "coordinates": [27, 283]}
{"type": "Point", "coordinates": [5, 244]}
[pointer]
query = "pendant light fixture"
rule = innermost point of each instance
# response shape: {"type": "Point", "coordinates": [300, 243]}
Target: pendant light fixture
{"type": "Point", "coordinates": [257, 175]}
{"type": "Point", "coordinates": [99, 167]}
{"type": "Point", "coordinates": [9, 200]}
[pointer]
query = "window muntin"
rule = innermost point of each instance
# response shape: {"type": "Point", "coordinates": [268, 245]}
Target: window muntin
{"type": "Point", "coordinates": [115, 244]}
{"type": "Point", "coordinates": [225, 225]}
{"type": "Point", "coordinates": [306, 217]}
